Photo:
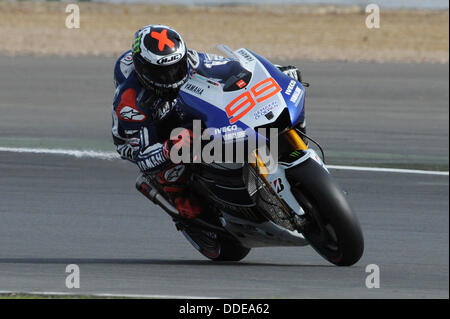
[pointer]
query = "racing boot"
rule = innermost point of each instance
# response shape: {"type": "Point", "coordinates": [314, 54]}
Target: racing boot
{"type": "Point", "coordinates": [174, 181]}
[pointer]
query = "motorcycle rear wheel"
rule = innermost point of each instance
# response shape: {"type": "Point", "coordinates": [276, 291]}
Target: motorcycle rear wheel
{"type": "Point", "coordinates": [218, 248]}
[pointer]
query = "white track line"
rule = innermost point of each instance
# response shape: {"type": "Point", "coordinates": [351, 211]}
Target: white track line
{"type": "Point", "coordinates": [105, 295]}
{"type": "Point", "coordinates": [76, 153]}
{"type": "Point", "coordinates": [388, 170]}
{"type": "Point", "coordinates": [114, 155]}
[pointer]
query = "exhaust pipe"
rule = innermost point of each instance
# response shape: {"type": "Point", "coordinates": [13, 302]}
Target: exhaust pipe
{"type": "Point", "coordinates": [144, 186]}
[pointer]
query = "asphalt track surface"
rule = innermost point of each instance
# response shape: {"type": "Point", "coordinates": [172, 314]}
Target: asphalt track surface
{"type": "Point", "coordinates": [57, 210]}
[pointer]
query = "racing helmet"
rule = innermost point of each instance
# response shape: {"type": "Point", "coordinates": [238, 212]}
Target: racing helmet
{"type": "Point", "coordinates": [160, 59]}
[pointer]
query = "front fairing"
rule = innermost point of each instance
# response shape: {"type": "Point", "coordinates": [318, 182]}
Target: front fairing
{"type": "Point", "coordinates": [258, 103]}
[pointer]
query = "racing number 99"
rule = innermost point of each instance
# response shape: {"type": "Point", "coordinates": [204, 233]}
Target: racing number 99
{"type": "Point", "coordinates": [245, 102]}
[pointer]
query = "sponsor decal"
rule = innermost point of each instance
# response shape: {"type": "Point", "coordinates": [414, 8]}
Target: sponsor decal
{"type": "Point", "coordinates": [137, 44]}
{"type": "Point", "coordinates": [243, 53]}
{"type": "Point", "coordinates": [128, 113]}
{"type": "Point", "coordinates": [278, 185]}
{"type": "Point", "coordinates": [265, 109]}
{"type": "Point", "coordinates": [127, 60]}
{"type": "Point", "coordinates": [169, 59]}
{"type": "Point", "coordinates": [226, 129]}
{"type": "Point", "coordinates": [194, 89]}
{"type": "Point", "coordinates": [212, 82]}
{"type": "Point", "coordinates": [296, 154]}
{"type": "Point", "coordinates": [290, 87]}
{"type": "Point", "coordinates": [296, 96]}
{"type": "Point", "coordinates": [127, 110]}
{"type": "Point", "coordinates": [241, 84]}
{"type": "Point", "coordinates": [230, 132]}
{"type": "Point", "coordinates": [317, 159]}
{"type": "Point", "coordinates": [174, 173]}
{"type": "Point", "coordinates": [235, 135]}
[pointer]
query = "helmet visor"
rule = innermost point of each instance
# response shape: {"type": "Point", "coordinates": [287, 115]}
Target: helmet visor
{"type": "Point", "coordinates": [172, 75]}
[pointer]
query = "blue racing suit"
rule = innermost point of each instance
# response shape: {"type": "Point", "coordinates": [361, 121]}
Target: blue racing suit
{"type": "Point", "coordinates": [136, 111]}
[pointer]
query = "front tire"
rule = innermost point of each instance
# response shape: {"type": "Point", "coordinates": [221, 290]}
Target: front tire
{"type": "Point", "coordinates": [329, 223]}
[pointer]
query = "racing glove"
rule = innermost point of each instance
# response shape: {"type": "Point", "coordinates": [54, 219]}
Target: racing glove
{"type": "Point", "coordinates": [291, 71]}
{"type": "Point", "coordinates": [129, 150]}
{"type": "Point", "coordinates": [153, 157]}
{"type": "Point", "coordinates": [183, 140]}
{"type": "Point", "coordinates": [150, 156]}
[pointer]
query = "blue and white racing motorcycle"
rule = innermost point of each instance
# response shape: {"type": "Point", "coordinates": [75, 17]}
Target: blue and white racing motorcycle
{"type": "Point", "coordinates": [248, 206]}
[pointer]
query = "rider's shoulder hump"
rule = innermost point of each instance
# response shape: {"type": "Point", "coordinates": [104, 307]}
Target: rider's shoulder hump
{"type": "Point", "coordinates": [123, 68]}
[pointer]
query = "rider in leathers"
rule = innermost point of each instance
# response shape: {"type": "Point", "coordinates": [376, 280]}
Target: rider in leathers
{"type": "Point", "coordinates": [147, 80]}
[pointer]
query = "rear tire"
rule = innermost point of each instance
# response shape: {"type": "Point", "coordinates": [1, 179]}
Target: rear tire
{"type": "Point", "coordinates": [330, 225]}
{"type": "Point", "coordinates": [215, 247]}
{"type": "Point", "coordinates": [231, 251]}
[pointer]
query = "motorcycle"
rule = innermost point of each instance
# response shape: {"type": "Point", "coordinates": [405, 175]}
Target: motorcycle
{"type": "Point", "coordinates": [247, 206]}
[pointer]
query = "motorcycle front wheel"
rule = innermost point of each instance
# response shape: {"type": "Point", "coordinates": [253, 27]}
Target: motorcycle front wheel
{"type": "Point", "coordinates": [329, 223]}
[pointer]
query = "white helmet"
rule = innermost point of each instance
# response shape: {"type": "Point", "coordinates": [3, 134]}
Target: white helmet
{"type": "Point", "coordinates": [160, 59]}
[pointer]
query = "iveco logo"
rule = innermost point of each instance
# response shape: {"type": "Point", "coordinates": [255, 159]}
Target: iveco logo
{"type": "Point", "coordinates": [169, 59]}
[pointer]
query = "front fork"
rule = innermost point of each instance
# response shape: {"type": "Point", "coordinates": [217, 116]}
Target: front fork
{"type": "Point", "coordinates": [294, 139]}
{"type": "Point", "coordinates": [293, 151]}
